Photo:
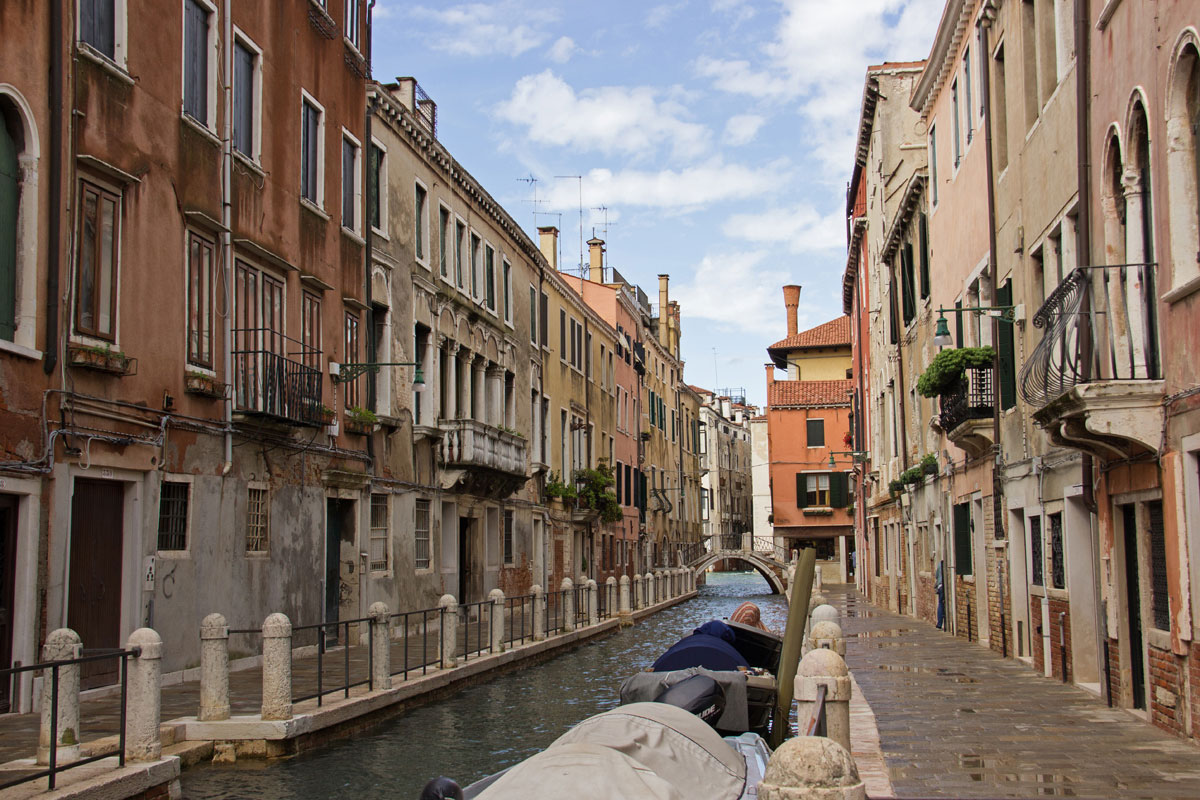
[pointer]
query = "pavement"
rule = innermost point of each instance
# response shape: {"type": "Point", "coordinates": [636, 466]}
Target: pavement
{"type": "Point", "coordinates": [955, 719]}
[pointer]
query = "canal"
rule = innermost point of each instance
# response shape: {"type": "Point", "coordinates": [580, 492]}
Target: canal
{"type": "Point", "coordinates": [487, 727]}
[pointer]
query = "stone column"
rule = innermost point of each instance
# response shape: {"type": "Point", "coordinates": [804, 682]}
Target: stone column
{"type": "Point", "coordinates": [625, 607]}
{"type": "Point", "coordinates": [824, 668]}
{"type": "Point", "coordinates": [639, 597]}
{"type": "Point", "coordinates": [495, 379]}
{"type": "Point", "coordinates": [568, 607]}
{"type": "Point", "coordinates": [539, 613]}
{"type": "Point", "coordinates": [826, 635]}
{"type": "Point", "coordinates": [277, 667]}
{"type": "Point", "coordinates": [497, 598]}
{"type": "Point", "coordinates": [62, 643]}
{"type": "Point", "coordinates": [651, 584]}
{"type": "Point", "coordinates": [381, 646]}
{"type": "Point", "coordinates": [1135, 283]}
{"type": "Point", "coordinates": [593, 601]}
{"type": "Point", "coordinates": [214, 669]}
{"type": "Point", "coordinates": [611, 597]}
{"type": "Point", "coordinates": [451, 399]}
{"type": "Point", "coordinates": [449, 608]}
{"type": "Point", "coordinates": [811, 768]}
{"type": "Point", "coordinates": [478, 393]}
{"type": "Point", "coordinates": [142, 739]}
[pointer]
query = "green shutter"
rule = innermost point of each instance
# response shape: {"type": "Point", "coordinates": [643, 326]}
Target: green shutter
{"type": "Point", "coordinates": [801, 490]}
{"type": "Point", "coordinates": [839, 490]}
{"type": "Point", "coordinates": [923, 243]}
{"type": "Point", "coordinates": [958, 325]}
{"type": "Point", "coordinates": [962, 540]}
{"type": "Point", "coordinates": [1006, 351]}
{"type": "Point", "coordinates": [10, 192]}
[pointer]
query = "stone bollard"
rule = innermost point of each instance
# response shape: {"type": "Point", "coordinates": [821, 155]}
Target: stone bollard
{"type": "Point", "coordinates": [593, 600]}
{"type": "Point", "coordinates": [650, 598]}
{"type": "Point", "coordinates": [214, 669]}
{"type": "Point", "coordinates": [639, 593]}
{"type": "Point", "coordinates": [277, 667]}
{"type": "Point", "coordinates": [143, 742]}
{"type": "Point", "coordinates": [61, 644]}
{"type": "Point", "coordinates": [381, 646]}
{"type": "Point", "coordinates": [539, 612]}
{"type": "Point", "coordinates": [824, 668]}
{"type": "Point", "coordinates": [816, 599]}
{"type": "Point", "coordinates": [449, 608]}
{"type": "Point", "coordinates": [827, 635]}
{"type": "Point", "coordinates": [568, 606]}
{"type": "Point", "coordinates": [624, 602]}
{"type": "Point", "coordinates": [824, 613]}
{"type": "Point", "coordinates": [497, 598]}
{"type": "Point", "coordinates": [611, 597]}
{"type": "Point", "coordinates": [811, 768]}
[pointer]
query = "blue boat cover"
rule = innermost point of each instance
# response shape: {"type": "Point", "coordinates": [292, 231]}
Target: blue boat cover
{"type": "Point", "coordinates": [710, 646]}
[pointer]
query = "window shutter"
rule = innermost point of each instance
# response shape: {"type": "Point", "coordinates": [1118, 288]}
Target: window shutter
{"type": "Point", "coordinates": [801, 490]}
{"type": "Point", "coordinates": [923, 233]}
{"type": "Point", "coordinates": [10, 197]}
{"type": "Point", "coordinates": [838, 490]}
{"type": "Point", "coordinates": [1006, 351]}
{"type": "Point", "coordinates": [962, 540]}
{"type": "Point", "coordinates": [958, 325]}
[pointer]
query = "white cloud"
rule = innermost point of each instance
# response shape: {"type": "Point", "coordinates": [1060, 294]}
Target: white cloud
{"type": "Point", "coordinates": [753, 307]}
{"type": "Point", "coordinates": [742, 128]}
{"type": "Point", "coordinates": [740, 10]}
{"type": "Point", "coordinates": [610, 119]}
{"type": "Point", "coordinates": [681, 190]}
{"type": "Point", "coordinates": [659, 15]}
{"type": "Point", "coordinates": [561, 51]}
{"type": "Point", "coordinates": [477, 29]}
{"type": "Point", "coordinates": [800, 227]}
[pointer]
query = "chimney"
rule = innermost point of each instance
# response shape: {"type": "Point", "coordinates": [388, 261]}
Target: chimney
{"type": "Point", "coordinates": [664, 305]}
{"type": "Point", "coordinates": [596, 264]}
{"type": "Point", "coordinates": [548, 243]}
{"type": "Point", "coordinates": [791, 301]}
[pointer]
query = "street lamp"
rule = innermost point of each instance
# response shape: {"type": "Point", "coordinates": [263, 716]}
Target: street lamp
{"type": "Point", "coordinates": [941, 334]}
{"type": "Point", "coordinates": [856, 455]}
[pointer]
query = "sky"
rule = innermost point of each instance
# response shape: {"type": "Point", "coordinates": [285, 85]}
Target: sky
{"type": "Point", "coordinates": [714, 140]}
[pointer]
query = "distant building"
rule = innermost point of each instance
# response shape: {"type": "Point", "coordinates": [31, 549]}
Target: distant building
{"type": "Point", "coordinates": [725, 496]}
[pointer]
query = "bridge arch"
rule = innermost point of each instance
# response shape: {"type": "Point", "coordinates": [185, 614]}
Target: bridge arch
{"type": "Point", "coordinates": [755, 562]}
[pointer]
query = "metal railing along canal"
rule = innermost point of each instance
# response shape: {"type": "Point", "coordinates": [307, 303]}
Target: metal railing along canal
{"type": "Point", "coordinates": [405, 621]}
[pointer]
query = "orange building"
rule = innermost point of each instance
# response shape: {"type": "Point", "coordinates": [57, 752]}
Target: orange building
{"type": "Point", "coordinates": [808, 430]}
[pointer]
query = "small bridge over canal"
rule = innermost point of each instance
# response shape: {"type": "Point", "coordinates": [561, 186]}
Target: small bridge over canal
{"type": "Point", "coordinates": [761, 553]}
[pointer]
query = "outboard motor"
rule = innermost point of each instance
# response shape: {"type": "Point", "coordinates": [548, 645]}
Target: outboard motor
{"type": "Point", "coordinates": [441, 788]}
{"type": "Point", "coordinates": [699, 695]}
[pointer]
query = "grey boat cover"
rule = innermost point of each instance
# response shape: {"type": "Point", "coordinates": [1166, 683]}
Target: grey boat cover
{"type": "Point", "coordinates": [645, 686]}
{"type": "Point", "coordinates": [642, 750]}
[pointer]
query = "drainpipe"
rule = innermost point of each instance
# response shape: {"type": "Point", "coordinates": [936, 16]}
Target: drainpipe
{"type": "Point", "coordinates": [227, 230]}
{"type": "Point", "coordinates": [546, 528]}
{"type": "Point", "coordinates": [50, 348]}
{"type": "Point", "coordinates": [985, 24]}
{"type": "Point", "coordinates": [368, 250]}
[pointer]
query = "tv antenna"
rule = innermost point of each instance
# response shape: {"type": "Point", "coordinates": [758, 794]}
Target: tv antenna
{"type": "Point", "coordinates": [580, 179]}
{"type": "Point", "coordinates": [533, 182]}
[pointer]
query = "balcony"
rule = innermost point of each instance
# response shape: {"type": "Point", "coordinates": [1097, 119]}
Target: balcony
{"type": "Point", "coordinates": [481, 459]}
{"type": "Point", "coordinates": [1095, 378]}
{"type": "Point", "coordinates": [967, 410]}
{"type": "Point", "coordinates": [269, 383]}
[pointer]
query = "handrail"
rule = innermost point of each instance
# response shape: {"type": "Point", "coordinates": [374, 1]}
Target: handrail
{"type": "Point", "coordinates": [323, 643]}
{"type": "Point", "coordinates": [424, 613]}
{"type": "Point", "coordinates": [483, 610]}
{"type": "Point", "coordinates": [53, 768]}
{"type": "Point", "coordinates": [556, 602]}
{"type": "Point", "coordinates": [511, 604]}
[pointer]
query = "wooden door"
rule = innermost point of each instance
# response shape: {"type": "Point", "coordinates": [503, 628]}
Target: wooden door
{"type": "Point", "coordinates": [8, 565]}
{"type": "Point", "coordinates": [94, 593]}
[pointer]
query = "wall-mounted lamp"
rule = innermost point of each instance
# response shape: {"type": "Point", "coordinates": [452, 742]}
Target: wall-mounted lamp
{"type": "Point", "coordinates": [344, 373]}
{"type": "Point", "coordinates": [941, 334]}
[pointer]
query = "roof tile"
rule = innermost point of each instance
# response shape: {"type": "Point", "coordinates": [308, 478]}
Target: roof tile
{"type": "Point", "coordinates": [810, 393]}
{"type": "Point", "coordinates": [831, 334]}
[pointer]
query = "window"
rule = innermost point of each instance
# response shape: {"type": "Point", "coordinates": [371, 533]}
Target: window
{"type": "Point", "coordinates": [1006, 351]}
{"type": "Point", "coordinates": [816, 488]}
{"type": "Point", "coordinates": [533, 315]}
{"type": "Point", "coordinates": [247, 93]}
{"type": "Point", "coordinates": [443, 241]}
{"type": "Point", "coordinates": [908, 289]}
{"type": "Point", "coordinates": [1160, 599]}
{"type": "Point", "coordinates": [96, 290]}
{"type": "Point", "coordinates": [969, 107]}
{"type": "Point", "coordinates": [508, 301]}
{"type": "Point", "coordinates": [963, 525]}
{"type": "Point", "coordinates": [380, 535]}
{"type": "Point", "coordinates": [544, 316]}
{"type": "Point", "coordinates": [562, 334]}
{"type": "Point", "coordinates": [258, 340]}
{"type": "Point", "coordinates": [173, 515]}
{"type": "Point", "coordinates": [508, 536]}
{"type": "Point", "coordinates": [460, 245]}
{"type": "Point", "coordinates": [200, 294]}
{"type": "Point", "coordinates": [999, 110]}
{"type": "Point", "coordinates": [1183, 165]}
{"type": "Point", "coordinates": [352, 14]}
{"type": "Point", "coordinates": [312, 154]}
{"type": "Point", "coordinates": [350, 356]}
{"type": "Point", "coordinates": [1036, 560]}
{"type": "Point", "coordinates": [476, 280]}
{"type": "Point", "coordinates": [420, 222]}
{"type": "Point", "coordinates": [197, 19]}
{"type": "Point", "coordinates": [351, 182]}
{"type": "Point", "coordinates": [98, 25]}
{"type": "Point", "coordinates": [376, 188]}
{"type": "Point", "coordinates": [1058, 570]}
{"type": "Point", "coordinates": [12, 136]}
{"type": "Point", "coordinates": [923, 245]}
{"type": "Point", "coordinates": [815, 432]}
{"type": "Point", "coordinates": [955, 123]}
{"type": "Point", "coordinates": [257, 520]}
{"type": "Point", "coordinates": [1029, 62]}
{"type": "Point", "coordinates": [421, 554]}
{"type": "Point", "coordinates": [489, 277]}
{"type": "Point", "coordinates": [933, 165]}
{"type": "Point", "coordinates": [310, 330]}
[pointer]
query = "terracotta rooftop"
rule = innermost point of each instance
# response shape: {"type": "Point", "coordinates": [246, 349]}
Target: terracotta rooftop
{"type": "Point", "coordinates": [835, 333]}
{"type": "Point", "coordinates": [809, 393]}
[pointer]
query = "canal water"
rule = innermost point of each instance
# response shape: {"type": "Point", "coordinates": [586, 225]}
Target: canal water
{"type": "Point", "coordinates": [488, 727]}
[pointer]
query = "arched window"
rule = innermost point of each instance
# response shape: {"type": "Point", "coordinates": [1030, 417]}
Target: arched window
{"type": "Point", "coordinates": [1139, 219]}
{"type": "Point", "coordinates": [18, 224]}
{"type": "Point", "coordinates": [10, 203]}
{"type": "Point", "coordinates": [1183, 166]}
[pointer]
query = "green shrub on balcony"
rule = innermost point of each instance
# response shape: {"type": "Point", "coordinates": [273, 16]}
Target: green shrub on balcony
{"type": "Point", "coordinates": [594, 492]}
{"type": "Point", "coordinates": [948, 366]}
{"type": "Point", "coordinates": [557, 489]}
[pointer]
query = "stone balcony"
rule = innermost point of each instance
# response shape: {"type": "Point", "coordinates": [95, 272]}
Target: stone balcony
{"type": "Point", "coordinates": [481, 459]}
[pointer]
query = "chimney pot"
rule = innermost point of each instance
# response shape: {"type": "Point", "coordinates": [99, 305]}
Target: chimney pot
{"type": "Point", "coordinates": [791, 301]}
{"type": "Point", "coordinates": [548, 244]}
{"type": "Point", "coordinates": [596, 260]}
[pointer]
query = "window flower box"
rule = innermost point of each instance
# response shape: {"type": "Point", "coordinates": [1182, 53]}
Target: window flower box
{"type": "Point", "coordinates": [204, 385]}
{"type": "Point", "coordinates": [101, 359]}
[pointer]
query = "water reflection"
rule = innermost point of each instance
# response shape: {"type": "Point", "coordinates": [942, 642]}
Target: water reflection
{"type": "Point", "coordinates": [483, 728]}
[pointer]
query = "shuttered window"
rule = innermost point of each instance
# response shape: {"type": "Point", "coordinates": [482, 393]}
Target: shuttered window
{"type": "Point", "coordinates": [1160, 599]}
{"type": "Point", "coordinates": [923, 246]}
{"type": "Point", "coordinates": [243, 100]}
{"type": "Point", "coordinates": [10, 200]}
{"type": "Point", "coordinates": [908, 285]}
{"type": "Point", "coordinates": [963, 556]}
{"type": "Point", "coordinates": [814, 430]}
{"type": "Point", "coordinates": [1006, 351]}
{"type": "Point", "coordinates": [195, 61]}
{"type": "Point", "coordinates": [97, 25]}
{"type": "Point", "coordinates": [310, 125]}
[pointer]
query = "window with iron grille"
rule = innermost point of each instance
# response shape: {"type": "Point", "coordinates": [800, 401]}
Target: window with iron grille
{"type": "Point", "coordinates": [173, 515]}
{"type": "Point", "coordinates": [380, 536]}
{"type": "Point", "coordinates": [508, 536]}
{"type": "Point", "coordinates": [421, 535]}
{"type": "Point", "coordinates": [257, 520]}
{"type": "Point", "coordinates": [1058, 570]}
{"type": "Point", "coordinates": [1035, 550]}
{"type": "Point", "coordinates": [1160, 599]}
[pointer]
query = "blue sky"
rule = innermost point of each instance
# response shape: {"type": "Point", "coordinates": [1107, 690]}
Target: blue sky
{"type": "Point", "coordinates": [718, 134]}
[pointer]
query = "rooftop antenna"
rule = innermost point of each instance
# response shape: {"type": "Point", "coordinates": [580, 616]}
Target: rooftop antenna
{"type": "Point", "coordinates": [716, 379]}
{"type": "Point", "coordinates": [607, 246]}
{"type": "Point", "coordinates": [580, 179]}
{"type": "Point", "coordinates": [533, 182]}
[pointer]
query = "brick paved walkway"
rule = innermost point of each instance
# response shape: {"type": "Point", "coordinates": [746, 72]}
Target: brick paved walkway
{"type": "Point", "coordinates": [957, 720]}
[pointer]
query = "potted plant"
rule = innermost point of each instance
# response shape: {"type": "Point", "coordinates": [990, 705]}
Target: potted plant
{"type": "Point", "coordinates": [929, 464]}
{"type": "Point", "coordinates": [325, 414]}
{"type": "Point", "coordinates": [361, 420]}
{"type": "Point", "coordinates": [594, 492]}
{"type": "Point", "coordinates": [202, 384]}
{"type": "Point", "coordinates": [948, 366]}
{"type": "Point", "coordinates": [557, 490]}
{"type": "Point", "coordinates": [103, 359]}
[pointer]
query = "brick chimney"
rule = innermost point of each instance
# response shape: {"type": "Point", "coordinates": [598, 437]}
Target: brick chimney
{"type": "Point", "coordinates": [548, 243]}
{"type": "Point", "coordinates": [791, 301]}
{"type": "Point", "coordinates": [664, 307]}
{"type": "Point", "coordinates": [596, 262]}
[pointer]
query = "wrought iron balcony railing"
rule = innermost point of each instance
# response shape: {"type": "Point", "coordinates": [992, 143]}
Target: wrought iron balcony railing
{"type": "Point", "coordinates": [971, 398]}
{"type": "Point", "coordinates": [268, 381]}
{"type": "Point", "coordinates": [1099, 326]}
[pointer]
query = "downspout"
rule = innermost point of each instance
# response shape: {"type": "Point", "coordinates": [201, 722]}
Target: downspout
{"type": "Point", "coordinates": [679, 443]}
{"type": "Point", "coordinates": [546, 529]}
{"type": "Point", "coordinates": [368, 251]}
{"type": "Point", "coordinates": [985, 24]}
{"type": "Point", "coordinates": [227, 228]}
{"type": "Point", "coordinates": [50, 348]}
